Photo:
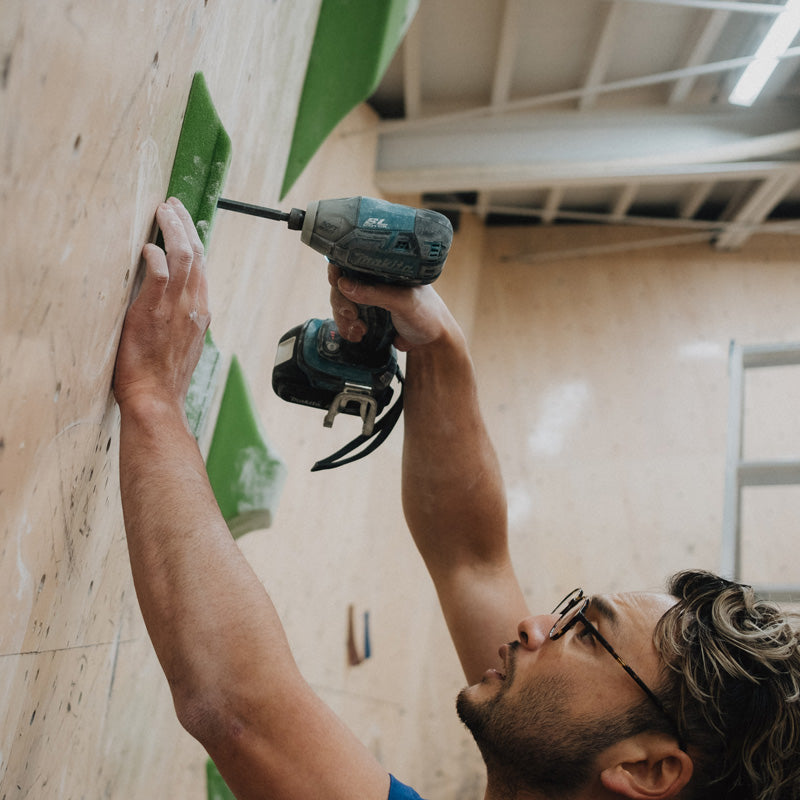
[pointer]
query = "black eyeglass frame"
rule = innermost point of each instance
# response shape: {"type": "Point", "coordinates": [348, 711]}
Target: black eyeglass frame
{"type": "Point", "coordinates": [568, 606]}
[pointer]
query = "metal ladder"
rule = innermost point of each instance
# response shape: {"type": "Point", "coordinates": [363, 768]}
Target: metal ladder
{"type": "Point", "coordinates": [740, 473]}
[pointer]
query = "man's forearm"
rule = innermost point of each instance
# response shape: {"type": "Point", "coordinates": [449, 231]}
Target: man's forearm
{"type": "Point", "coordinates": [455, 505]}
{"type": "Point", "coordinates": [452, 485]}
{"type": "Point", "coordinates": [217, 635]}
{"type": "Point", "coordinates": [191, 579]}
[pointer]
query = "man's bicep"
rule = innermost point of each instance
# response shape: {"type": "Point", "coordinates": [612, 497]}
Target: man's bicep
{"type": "Point", "coordinates": [482, 606]}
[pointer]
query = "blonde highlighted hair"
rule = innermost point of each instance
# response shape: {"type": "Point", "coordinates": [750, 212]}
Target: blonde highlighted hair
{"type": "Point", "coordinates": [733, 683]}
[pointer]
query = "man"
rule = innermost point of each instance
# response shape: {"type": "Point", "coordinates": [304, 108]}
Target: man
{"type": "Point", "coordinates": [694, 694]}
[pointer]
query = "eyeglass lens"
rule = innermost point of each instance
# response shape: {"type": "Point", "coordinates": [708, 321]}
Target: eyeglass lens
{"type": "Point", "coordinates": [568, 608]}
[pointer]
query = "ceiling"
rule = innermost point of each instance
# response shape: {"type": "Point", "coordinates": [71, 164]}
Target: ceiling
{"type": "Point", "coordinates": [557, 111]}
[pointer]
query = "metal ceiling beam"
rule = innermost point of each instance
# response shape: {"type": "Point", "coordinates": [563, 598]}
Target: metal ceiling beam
{"type": "Point", "coordinates": [698, 231]}
{"type": "Point", "coordinates": [571, 215]}
{"type": "Point", "coordinates": [507, 46]}
{"type": "Point", "coordinates": [602, 56]}
{"type": "Point", "coordinates": [506, 53]}
{"type": "Point", "coordinates": [483, 204]}
{"type": "Point", "coordinates": [515, 177]}
{"type": "Point", "coordinates": [552, 204]}
{"type": "Point", "coordinates": [719, 5]}
{"type": "Point", "coordinates": [589, 148]}
{"type": "Point", "coordinates": [625, 200]}
{"type": "Point", "coordinates": [695, 199]}
{"type": "Point", "coordinates": [709, 36]}
{"type": "Point", "coordinates": [757, 207]}
{"type": "Point", "coordinates": [412, 71]}
{"type": "Point", "coordinates": [576, 94]}
{"type": "Point", "coordinates": [714, 227]}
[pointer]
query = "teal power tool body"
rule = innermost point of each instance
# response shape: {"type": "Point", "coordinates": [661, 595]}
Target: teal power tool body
{"type": "Point", "coordinates": [373, 241]}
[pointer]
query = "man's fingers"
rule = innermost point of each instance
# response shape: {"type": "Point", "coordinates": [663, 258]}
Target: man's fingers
{"type": "Point", "coordinates": [418, 313]}
{"type": "Point", "coordinates": [334, 273]}
{"type": "Point", "coordinates": [345, 312]}
{"type": "Point", "coordinates": [180, 255]}
{"type": "Point", "coordinates": [156, 276]}
{"type": "Point", "coordinates": [365, 294]}
{"type": "Point", "coordinates": [189, 228]}
{"type": "Point", "coordinates": [180, 271]}
{"type": "Point", "coordinates": [341, 306]}
{"type": "Point", "coordinates": [195, 285]}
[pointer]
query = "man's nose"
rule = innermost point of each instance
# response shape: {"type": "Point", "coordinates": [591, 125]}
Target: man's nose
{"type": "Point", "coordinates": [533, 632]}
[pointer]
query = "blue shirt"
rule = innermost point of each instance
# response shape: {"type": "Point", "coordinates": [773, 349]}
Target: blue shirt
{"type": "Point", "coordinates": [399, 791]}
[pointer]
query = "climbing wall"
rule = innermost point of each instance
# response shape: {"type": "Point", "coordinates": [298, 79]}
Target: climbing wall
{"type": "Point", "coordinates": [91, 102]}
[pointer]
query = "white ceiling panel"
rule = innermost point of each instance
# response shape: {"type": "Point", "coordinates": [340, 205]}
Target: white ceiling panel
{"type": "Point", "coordinates": [608, 107]}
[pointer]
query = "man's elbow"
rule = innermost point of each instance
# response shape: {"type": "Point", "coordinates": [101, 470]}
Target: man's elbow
{"type": "Point", "coordinates": [227, 721]}
{"type": "Point", "coordinates": [205, 718]}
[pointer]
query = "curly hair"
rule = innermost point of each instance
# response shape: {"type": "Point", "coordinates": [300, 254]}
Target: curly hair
{"type": "Point", "coordinates": [733, 683]}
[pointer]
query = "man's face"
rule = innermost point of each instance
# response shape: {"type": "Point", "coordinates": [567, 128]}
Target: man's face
{"type": "Point", "coordinates": [555, 705]}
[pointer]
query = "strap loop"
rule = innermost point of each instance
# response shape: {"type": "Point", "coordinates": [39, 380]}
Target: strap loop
{"type": "Point", "coordinates": [383, 427]}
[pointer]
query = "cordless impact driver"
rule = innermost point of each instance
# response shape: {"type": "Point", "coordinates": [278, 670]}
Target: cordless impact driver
{"type": "Point", "coordinates": [372, 241]}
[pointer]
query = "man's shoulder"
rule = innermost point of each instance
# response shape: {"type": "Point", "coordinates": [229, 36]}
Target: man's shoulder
{"type": "Point", "coordinates": [399, 791]}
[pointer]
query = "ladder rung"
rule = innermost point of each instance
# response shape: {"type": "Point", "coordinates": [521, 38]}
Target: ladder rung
{"type": "Point", "coordinates": [776, 472]}
{"type": "Point", "coordinates": [779, 592]}
{"type": "Point", "coordinates": [781, 355]}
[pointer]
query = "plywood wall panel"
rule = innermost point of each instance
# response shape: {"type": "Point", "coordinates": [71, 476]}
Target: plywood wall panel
{"type": "Point", "coordinates": [91, 102]}
{"type": "Point", "coordinates": [610, 406]}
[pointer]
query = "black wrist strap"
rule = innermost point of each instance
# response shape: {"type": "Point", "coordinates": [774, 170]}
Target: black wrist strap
{"type": "Point", "coordinates": [383, 427]}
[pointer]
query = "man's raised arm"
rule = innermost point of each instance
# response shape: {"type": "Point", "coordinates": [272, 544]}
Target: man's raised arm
{"type": "Point", "coordinates": [453, 494]}
{"type": "Point", "coordinates": [234, 682]}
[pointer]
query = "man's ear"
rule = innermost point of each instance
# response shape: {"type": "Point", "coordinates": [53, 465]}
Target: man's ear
{"type": "Point", "coordinates": [646, 767]}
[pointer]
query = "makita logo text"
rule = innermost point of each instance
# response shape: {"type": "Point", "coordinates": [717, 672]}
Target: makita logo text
{"type": "Point", "coordinates": [396, 266]}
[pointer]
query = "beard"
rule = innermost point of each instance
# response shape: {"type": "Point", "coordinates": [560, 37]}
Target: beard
{"type": "Point", "coordinates": [529, 740]}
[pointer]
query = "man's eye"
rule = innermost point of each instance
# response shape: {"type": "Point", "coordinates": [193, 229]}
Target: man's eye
{"type": "Point", "coordinates": [586, 633]}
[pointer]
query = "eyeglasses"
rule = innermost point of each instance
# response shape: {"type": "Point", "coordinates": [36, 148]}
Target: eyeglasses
{"type": "Point", "coordinates": [571, 609]}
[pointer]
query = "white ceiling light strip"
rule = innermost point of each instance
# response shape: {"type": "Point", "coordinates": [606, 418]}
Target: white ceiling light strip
{"type": "Point", "coordinates": [777, 41]}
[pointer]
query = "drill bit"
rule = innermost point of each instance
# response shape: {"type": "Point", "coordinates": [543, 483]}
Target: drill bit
{"type": "Point", "coordinates": [293, 218]}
